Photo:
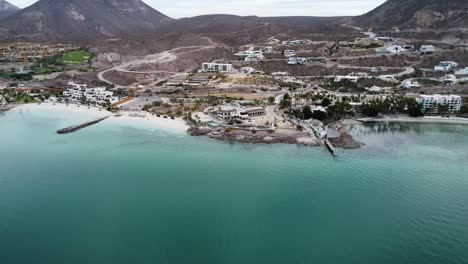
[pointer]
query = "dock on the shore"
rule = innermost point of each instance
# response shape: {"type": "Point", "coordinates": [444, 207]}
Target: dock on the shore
{"type": "Point", "coordinates": [331, 148]}
{"type": "Point", "coordinates": [75, 128]}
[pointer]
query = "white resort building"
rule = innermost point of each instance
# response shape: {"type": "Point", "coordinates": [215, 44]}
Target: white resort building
{"type": "Point", "coordinates": [99, 95]}
{"type": "Point", "coordinates": [228, 112]}
{"type": "Point", "coordinates": [430, 103]}
{"type": "Point", "coordinates": [216, 67]}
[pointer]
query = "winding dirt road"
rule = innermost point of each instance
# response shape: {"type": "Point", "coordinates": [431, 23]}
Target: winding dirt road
{"type": "Point", "coordinates": [162, 57]}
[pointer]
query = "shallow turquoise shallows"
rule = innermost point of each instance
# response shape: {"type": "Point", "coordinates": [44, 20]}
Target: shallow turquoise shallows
{"type": "Point", "coordinates": [115, 193]}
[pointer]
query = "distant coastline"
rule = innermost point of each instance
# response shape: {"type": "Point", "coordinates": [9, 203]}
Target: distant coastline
{"type": "Point", "coordinates": [420, 120]}
{"type": "Point", "coordinates": [179, 126]}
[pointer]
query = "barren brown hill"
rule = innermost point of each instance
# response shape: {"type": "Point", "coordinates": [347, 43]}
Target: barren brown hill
{"type": "Point", "coordinates": [81, 20]}
{"type": "Point", "coordinates": [7, 9]}
{"type": "Point", "coordinates": [405, 14]}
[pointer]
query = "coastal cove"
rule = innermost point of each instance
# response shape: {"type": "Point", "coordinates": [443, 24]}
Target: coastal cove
{"type": "Point", "coordinates": [130, 190]}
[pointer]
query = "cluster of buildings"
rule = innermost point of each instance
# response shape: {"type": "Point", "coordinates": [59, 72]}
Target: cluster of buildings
{"type": "Point", "coordinates": [29, 51]}
{"type": "Point", "coordinates": [236, 112]}
{"type": "Point", "coordinates": [254, 55]}
{"type": "Point", "coordinates": [99, 95]}
{"type": "Point", "coordinates": [449, 66]}
{"type": "Point", "coordinates": [398, 49]}
{"type": "Point", "coordinates": [294, 42]}
{"type": "Point", "coordinates": [431, 103]}
{"type": "Point", "coordinates": [354, 77]}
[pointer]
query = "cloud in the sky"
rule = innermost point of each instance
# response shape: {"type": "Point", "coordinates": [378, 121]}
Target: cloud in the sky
{"type": "Point", "coordinates": [187, 8]}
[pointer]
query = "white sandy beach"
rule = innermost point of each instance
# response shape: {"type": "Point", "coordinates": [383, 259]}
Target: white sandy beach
{"type": "Point", "coordinates": [138, 119]}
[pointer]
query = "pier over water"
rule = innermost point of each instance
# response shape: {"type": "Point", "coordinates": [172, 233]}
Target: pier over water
{"type": "Point", "coordinates": [331, 148]}
{"type": "Point", "coordinates": [75, 128]}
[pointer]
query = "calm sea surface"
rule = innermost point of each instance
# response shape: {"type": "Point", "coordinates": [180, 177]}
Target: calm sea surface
{"type": "Point", "coordinates": [119, 194]}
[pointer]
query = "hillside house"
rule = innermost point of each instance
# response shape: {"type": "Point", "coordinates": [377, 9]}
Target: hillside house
{"type": "Point", "coordinates": [445, 66]}
{"type": "Point", "coordinates": [340, 78]}
{"type": "Point", "coordinates": [387, 78]}
{"type": "Point", "coordinates": [294, 42]}
{"type": "Point", "coordinates": [449, 80]}
{"type": "Point", "coordinates": [289, 53]}
{"type": "Point", "coordinates": [216, 67]}
{"type": "Point", "coordinates": [254, 57]}
{"type": "Point", "coordinates": [427, 49]}
{"type": "Point", "coordinates": [462, 71]}
{"type": "Point", "coordinates": [296, 61]}
{"type": "Point", "coordinates": [394, 49]}
{"type": "Point", "coordinates": [385, 39]}
{"type": "Point", "coordinates": [410, 84]}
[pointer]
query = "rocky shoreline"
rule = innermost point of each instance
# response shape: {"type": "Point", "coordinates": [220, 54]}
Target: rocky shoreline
{"type": "Point", "coordinates": [280, 136]}
{"type": "Point", "coordinates": [345, 140]}
{"type": "Point", "coordinates": [254, 137]}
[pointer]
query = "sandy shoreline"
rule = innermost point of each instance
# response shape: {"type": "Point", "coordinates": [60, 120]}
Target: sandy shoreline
{"type": "Point", "coordinates": [421, 120]}
{"type": "Point", "coordinates": [138, 119]}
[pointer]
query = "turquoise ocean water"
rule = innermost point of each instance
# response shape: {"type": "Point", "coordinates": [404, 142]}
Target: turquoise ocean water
{"type": "Point", "coordinates": [120, 194]}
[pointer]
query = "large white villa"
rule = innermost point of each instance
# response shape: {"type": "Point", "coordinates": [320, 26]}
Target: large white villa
{"type": "Point", "coordinates": [99, 95]}
{"type": "Point", "coordinates": [431, 103]}
{"type": "Point", "coordinates": [216, 67]}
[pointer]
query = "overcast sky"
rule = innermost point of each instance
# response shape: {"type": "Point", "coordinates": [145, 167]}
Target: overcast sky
{"type": "Point", "coordinates": [187, 8]}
